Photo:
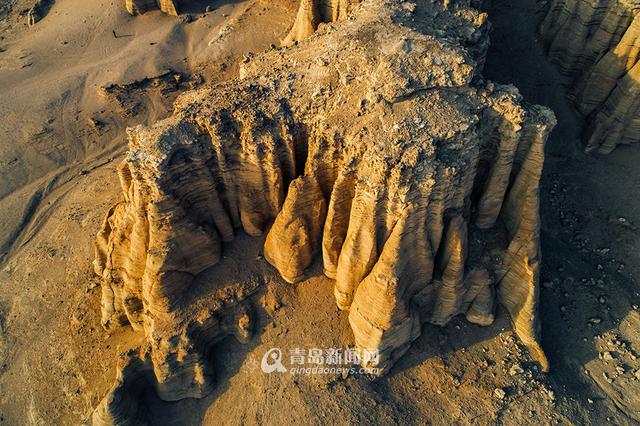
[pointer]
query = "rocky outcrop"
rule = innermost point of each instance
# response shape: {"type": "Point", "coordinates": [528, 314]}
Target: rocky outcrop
{"type": "Point", "coordinates": [375, 142]}
{"type": "Point", "coordinates": [597, 44]}
{"type": "Point", "coordinates": [312, 13]}
{"type": "Point", "coordinates": [38, 11]}
{"type": "Point", "coordinates": [170, 7]}
{"type": "Point", "coordinates": [175, 368]}
{"type": "Point", "coordinates": [296, 234]}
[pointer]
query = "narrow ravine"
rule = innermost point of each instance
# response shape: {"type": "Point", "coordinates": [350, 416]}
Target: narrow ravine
{"type": "Point", "coordinates": [590, 208]}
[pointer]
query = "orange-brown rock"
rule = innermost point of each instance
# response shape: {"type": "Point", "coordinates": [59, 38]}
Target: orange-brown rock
{"type": "Point", "coordinates": [296, 233]}
{"type": "Point", "coordinates": [170, 7]}
{"type": "Point", "coordinates": [312, 13]}
{"type": "Point", "coordinates": [375, 142]}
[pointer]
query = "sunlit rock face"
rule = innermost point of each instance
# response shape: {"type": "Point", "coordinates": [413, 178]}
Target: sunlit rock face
{"type": "Point", "coordinates": [312, 13]}
{"type": "Point", "coordinates": [597, 44]}
{"type": "Point", "coordinates": [373, 145]}
{"type": "Point", "coordinates": [171, 7]}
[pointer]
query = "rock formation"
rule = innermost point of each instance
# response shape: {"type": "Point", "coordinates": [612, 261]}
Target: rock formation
{"type": "Point", "coordinates": [597, 44]}
{"type": "Point", "coordinates": [312, 13]}
{"type": "Point", "coordinates": [175, 368]}
{"type": "Point", "coordinates": [377, 144]}
{"type": "Point", "coordinates": [38, 11]}
{"type": "Point", "coordinates": [170, 7]}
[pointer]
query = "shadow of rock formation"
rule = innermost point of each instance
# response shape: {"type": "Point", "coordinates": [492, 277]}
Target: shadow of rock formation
{"type": "Point", "coordinates": [38, 11]}
{"type": "Point", "coordinates": [596, 45]}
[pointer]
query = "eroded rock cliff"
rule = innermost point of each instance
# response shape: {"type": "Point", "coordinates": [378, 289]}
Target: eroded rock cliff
{"type": "Point", "coordinates": [375, 145]}
{"type": "Point", "coordinates": [38, 11]}
{"type": "Point", "coordinates": [597, 45]}
{"type": "Point", "coordinates": [171, 7]}
{"type": "Point", "coordinates": [312, 13]}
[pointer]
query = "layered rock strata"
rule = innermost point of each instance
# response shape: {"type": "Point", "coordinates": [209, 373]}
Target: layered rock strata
{"type": "Point", "coordinates": [173, 369]}
{"type": "Point", "coordinates": [597, 45]}
{"type": "Point", "coordinates": [38, 11]}
{"type": "Point", "coordinates": [312, 13]}
{"type": "Point", "coordinates": [374, 145]}
{"type": "Point", "coordinates": [170, 7]}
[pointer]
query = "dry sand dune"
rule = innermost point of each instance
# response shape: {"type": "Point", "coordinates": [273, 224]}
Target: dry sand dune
{"type": "Point", "coordinates": [71, 85]}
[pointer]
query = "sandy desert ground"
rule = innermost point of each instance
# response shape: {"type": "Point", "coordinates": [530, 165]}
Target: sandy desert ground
{"type": "Point", "coordinates": [73, 83]}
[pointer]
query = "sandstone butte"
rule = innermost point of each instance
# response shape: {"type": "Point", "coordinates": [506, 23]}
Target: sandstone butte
{"type": "Point", "coordinates": [597, 46]}
{"type": "Point", "coordinates": [372, 142]}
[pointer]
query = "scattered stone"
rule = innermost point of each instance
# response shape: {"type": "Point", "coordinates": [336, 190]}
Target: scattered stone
{"type": "Point", "coordinates": [515, 370]}
{"type": "Point", "coordinates": [187, 19]}
{"type": "Point", "coordinates": [607, 356]}
{"type": "Point", "coordinates": [499, 393]}
{"type": "Point", "coordinates": [409, 7]}
{"type": "Point", "coordinates": [95, 123]}
{"type": "Point", "coordinates": [196, 80]}
{"type": "Point", "coordinates": [624, 222]}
